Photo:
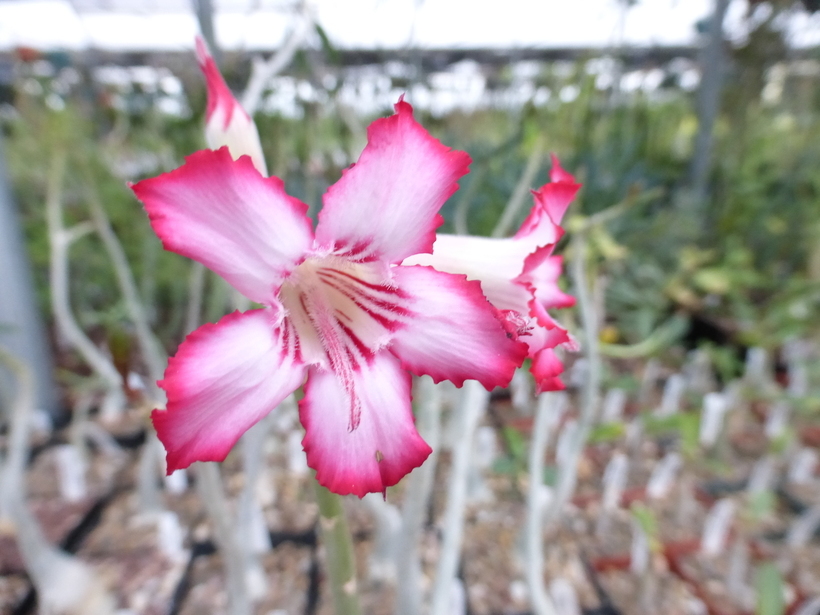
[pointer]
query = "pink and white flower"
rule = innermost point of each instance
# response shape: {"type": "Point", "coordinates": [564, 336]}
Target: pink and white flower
{"type": "Point", "coordinates": [338, 308]}
{"type": "Point", "coordinates": [519, 275]}
{"type": "Point", "coordinates": [226, 122]}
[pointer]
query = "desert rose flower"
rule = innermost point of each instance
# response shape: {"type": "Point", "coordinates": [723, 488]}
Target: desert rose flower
{"type": "Point", "coordinates": [338, 310]}
{"type": "Point", "coordinates": [519, 275]}
{"type": "Point", "coordinates": [226, 122]}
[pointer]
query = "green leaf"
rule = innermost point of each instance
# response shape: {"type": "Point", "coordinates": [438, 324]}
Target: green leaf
{"type": "Point", "coordinates": [769, 585]}
{"type": "Point", "coordinates": [506, 465]}
{"type": "Point", "coordinates": [606, 432]}
{"type": "Point", "coordinates": [516, 444]}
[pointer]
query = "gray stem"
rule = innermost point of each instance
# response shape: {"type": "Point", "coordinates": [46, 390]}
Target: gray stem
{"type": "Point", "coordinates": [474, 398]}
{"type": "Point", "coordinates": [60, 239]}
{"type": "Point", "coordinates": [416, 499]}
{"type": "Point", "coordinates": [226, 536]}
{"type": "Point", "coordinates": [516, 201]}
{"type": "Point", "coordinates": [539, 597]}
{"type": "Point", "coordinates": [568, 472]}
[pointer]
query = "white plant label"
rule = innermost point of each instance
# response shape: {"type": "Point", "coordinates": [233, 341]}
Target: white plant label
{"type": "Point", "coordinates": [564, 597]}
{"type": "Point", "coordinates": [663, 476]}
{"type": "Point", "coordinates": [777, 420]}
{"type": "Point", "coordinates": [71, 469]}
{"type": "Point", "coordinates": [672, 394]}
{"type": "Point", "coordinates": [757, 366]}
{"type": "Point", "coordinates": [716, 527]}
{"type": "Point", "coordinates": [615, 477]}
{"type": "Point", "coordinates": [639, 550]}
{"type": "Point", "coordinates": [614, 404]}
{"type": "Point", "coordinates": [711, 419]}
{"type": "Point", "coordinates": [176, 482]}
{"type": "Point", "coordinates": [763, 474]}
{"type": "Point", "coordinates": [803, 466]}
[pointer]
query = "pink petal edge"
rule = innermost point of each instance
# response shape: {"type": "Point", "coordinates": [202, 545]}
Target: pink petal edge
{"type": "Point", "coordinates": [385, 207]}
{"type": "Point", "coordinates": [454, 333]}
{"type": "Point", "coordinates": [385, 445]}
{"type": "Point", "coordinates": [219, 94]}
{"type": "Point", "coordinates": [224, 214]}
{"type": "Point", "coordinates": [223, 379]}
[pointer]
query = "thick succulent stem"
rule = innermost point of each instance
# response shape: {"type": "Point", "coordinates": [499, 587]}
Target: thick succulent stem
{"type": "Point", "coordinates": [339, 556]}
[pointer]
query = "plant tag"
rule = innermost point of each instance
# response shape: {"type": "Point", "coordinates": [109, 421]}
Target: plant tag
{"type": "Point", "coordinates": [716, 527]}
{"type": "Point", "coordinates": [757, 366]}
{"type": "Point", "coordinates": [614, 404]}
{"type": "Point", "coordinates": [615, 477]}
{"type": "Point", "coordinates": [672, 394]}
{"type": "Point", "coordinates": [650, 376]}
{"type": "Point", "coordinates": [777, 420]}
{"type": "Point", "coordinates": [639, 550]}
{"type": "Point", "coordinates": [803, 466]}
{"type": "Point", "coordinates": [176, 482]}
{"type": "Point", "coordinates": [711, 419]}
{"type": "Point", "coordinates": [803, 528]}
{"type": "Point", "coordinates": [762, 475]}
{"type": "Point", "coordinates": [698, 372]}
{"type": "Point", "coordinates": [564, 597]}
{"type": "Point", "coordinates": [171, 536]}
{"type": "Point", "coordinates": [71, 469]}
{"type": "Point", "coordinates": [663, 475]}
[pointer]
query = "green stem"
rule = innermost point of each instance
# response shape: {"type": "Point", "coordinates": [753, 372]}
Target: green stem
{"type": "Point", "coordinates": [339, 556]}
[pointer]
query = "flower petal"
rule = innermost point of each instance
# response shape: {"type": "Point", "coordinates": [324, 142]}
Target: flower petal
{"type": "Point", "coordinates": [382, 448]}
{"type": "Point", "coordinates": [386, 205]}
{"type": "Point", "coordinates": [556, 196]}
{"type": "Point", "coordinates": [224, 214]}
{"type": "Point", "coordinates": [226, 122]}
{"type": "Point", "coordinates": [545, 368]}
{"type": "Point", "coordinates": [496, 263]}
{"type": "Point", "coordinates": [223, 379]}
{"type": "Point", "coordinates": [454, 333]}
{"type": "Point", "coordinates": [542, 281]}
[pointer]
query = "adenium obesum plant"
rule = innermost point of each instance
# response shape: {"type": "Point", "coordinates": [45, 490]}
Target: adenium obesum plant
{"type": "Point", "coordinates": [351, 307]}
{"type": "Point", "coordinates": [519, 275]}
{"type": "Point", "coordinates": [337, 308]}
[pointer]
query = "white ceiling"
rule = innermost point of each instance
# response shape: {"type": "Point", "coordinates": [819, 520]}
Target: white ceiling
{"type": "Point", "coordinates": [131, 25]}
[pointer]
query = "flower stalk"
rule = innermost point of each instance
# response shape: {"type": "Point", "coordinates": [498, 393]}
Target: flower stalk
{"type": "Point", "coordinates": [339, 556]}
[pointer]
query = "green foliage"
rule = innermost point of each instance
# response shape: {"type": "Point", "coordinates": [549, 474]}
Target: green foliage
{"type": "Point", "coordinates": [769, 586]}
{"type": "Point", "coordinates": [606, 432]}
{"type": "Point", "coordinates": [685, 425]}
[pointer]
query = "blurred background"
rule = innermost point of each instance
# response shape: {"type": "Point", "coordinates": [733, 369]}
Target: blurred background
{"type": "Point", "coordinates": [694, 126]}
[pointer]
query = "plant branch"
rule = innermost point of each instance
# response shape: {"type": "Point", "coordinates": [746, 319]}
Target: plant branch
{"type": "Point", "coordinates": [60, 240]}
